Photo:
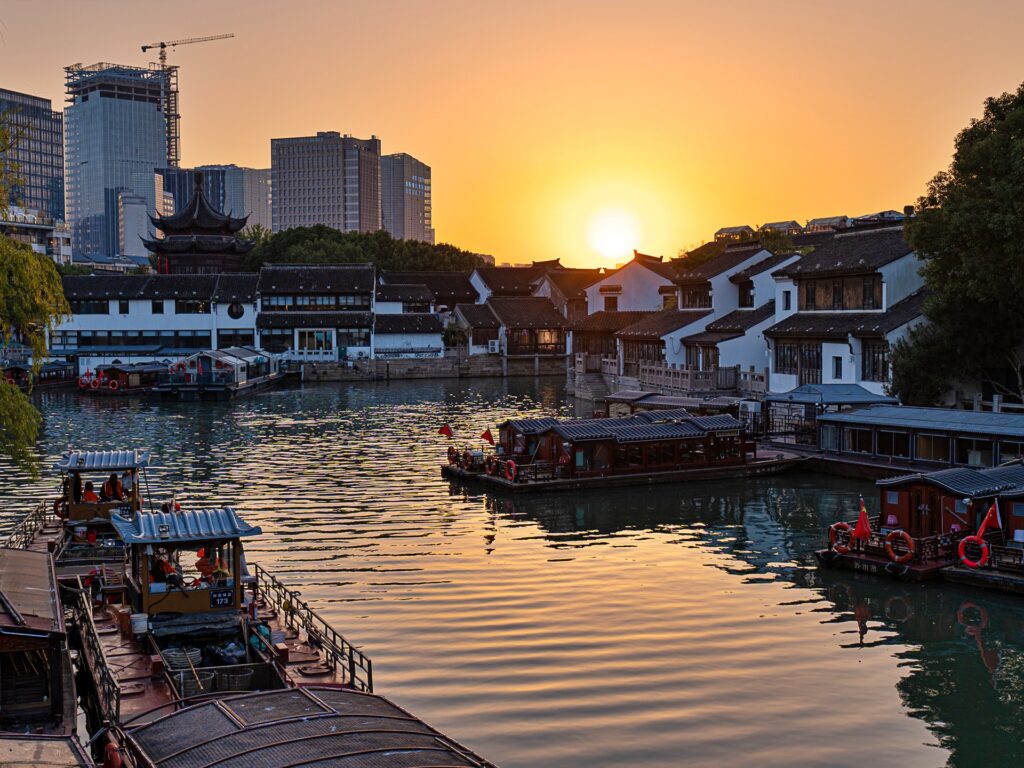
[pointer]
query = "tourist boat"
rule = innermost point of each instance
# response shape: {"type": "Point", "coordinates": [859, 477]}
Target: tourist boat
{"type": "Point", "coordinates": [648, 447]}
{"type": "Point", "coordinates": [51, 375]}
{"type": "Point", "coordinates": [219, 374]}
{"type": "Point", "coordinates": [940, 524]}
{"type": "Point", "coordinates": [120, 379]}
{"type": "Point", "coordinates": [186, 647]}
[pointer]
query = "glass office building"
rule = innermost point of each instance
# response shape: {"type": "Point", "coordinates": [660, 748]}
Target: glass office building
{"type": "Point", "coordinates": [115, 130]}
{"type": "Point", "coordinates": [405, 197]}
{"type": "Point", "coordinates": [38, 154]}
{"type": "Point", "coordinates": [246, 192]}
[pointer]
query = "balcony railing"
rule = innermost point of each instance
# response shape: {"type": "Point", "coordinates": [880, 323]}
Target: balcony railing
{"type": "Point", "coordinates": [610, 366]}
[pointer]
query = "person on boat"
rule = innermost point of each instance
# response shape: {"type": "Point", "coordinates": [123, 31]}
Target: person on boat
{"type": "Point", "coordinates": [76, 487]}
{"type": "Point", "coordinates": [127, 483]}
{"type": "Point", "coordinates": [112, 489]}
{"type": "Point", "coordinates": [204, 565]}
{"type": "Point", "coordinates": [90, 497]}
{"type": "Point", "coordinates": [163, 571]}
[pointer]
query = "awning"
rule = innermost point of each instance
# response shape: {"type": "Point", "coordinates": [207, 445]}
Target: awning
{"type": "Point", "coordinates": [191, 525]}
{"type": "Point", "coordinates": [105, 461]}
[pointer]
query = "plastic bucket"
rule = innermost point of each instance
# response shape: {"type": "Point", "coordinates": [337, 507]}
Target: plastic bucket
{"type": "Point", "coordinates": [140, 623]}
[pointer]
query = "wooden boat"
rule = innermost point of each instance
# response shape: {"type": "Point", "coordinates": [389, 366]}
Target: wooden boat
{"type": "Point", "coordinates": [186, 646]}
{"type": "Point", "coordinates": [55, 374]}
{"type": "Point", "coordinates": [928, 527]}
{"type": "Point", "coordinates": [120, 380]}
{"type": "Point", "coordinates": [219, 374]}
{"type": "Point", "coordinates": [649, 447]}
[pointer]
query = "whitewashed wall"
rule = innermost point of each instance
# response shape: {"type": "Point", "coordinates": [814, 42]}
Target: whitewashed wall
{"type": "Point", "coordinates": [639, 289]}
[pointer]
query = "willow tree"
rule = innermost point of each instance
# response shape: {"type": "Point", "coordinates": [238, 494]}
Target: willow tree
{"type": "Point", "coordinates": [969, 230]}
{"type": "Point", "coordinates": [31, 302]}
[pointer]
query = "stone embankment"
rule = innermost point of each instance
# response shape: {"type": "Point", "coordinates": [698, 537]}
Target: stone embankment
{"type": "Point", "coordinates": [454, 367]}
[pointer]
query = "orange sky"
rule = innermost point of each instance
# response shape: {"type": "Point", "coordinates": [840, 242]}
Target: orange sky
{"type": "Point", "coordinates": [537, 116]}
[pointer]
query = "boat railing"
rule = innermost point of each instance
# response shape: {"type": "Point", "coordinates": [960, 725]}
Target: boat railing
{"type": "Point", "coordinates": [338, 651]}
{"type": "Point", "coordinates": [927, 549]}
{"type": "Point", "coordinates": [107, 689]}
{"type": "Point", "coordinates": [531, 472]}
{"type": "Point", "coordinates": [30, 526]}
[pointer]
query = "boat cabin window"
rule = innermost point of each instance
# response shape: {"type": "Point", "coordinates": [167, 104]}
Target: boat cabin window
{"type": "Point", "coordinates": [829, 437]}
{"type": "Point", "coordinates": [932, 448]}
{"type": "Point", "coordinates": [973, 452]}
{"type": "Point", "coordinates": [896, 444]}
{"type": "Point", "coordinates": [196, 566]}
{"type": "Point", "coordinates": [1017, 508]}
{"type": "Point", "coordinates": [857, 440]}
{"type": "Point", "coordinates": [892, 497]}
{"type": "Point", "coordinates": [1010, 450]}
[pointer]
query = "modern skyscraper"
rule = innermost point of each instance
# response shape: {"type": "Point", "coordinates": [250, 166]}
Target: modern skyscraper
{"type": "Point", "coordinates": [246, 192]}
{"type": "Point", "coordinates": [326, 179]}
{"type": "Point", "coordinates": [180, 183]}
{"type": "Point", "coordinates": [38, 155]}
{"type": "Point", "coordinates": [115, 128]}
{"type": "Point", "coordinates": [405, 197]}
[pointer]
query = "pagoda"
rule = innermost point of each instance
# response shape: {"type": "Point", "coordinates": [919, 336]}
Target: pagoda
{"type": "Point", "coordinates": [198, 239]}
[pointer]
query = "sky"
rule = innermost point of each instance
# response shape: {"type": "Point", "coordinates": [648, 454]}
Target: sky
{"type": "Point", "coordinates": [576, 130]}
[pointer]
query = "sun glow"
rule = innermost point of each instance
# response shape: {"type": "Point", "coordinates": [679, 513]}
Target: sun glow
{"type": "Point", "coordinates": [613, 233]}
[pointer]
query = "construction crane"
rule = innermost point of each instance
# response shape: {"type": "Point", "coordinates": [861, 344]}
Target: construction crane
{"type": "Point", "coordinates": [170, 91]}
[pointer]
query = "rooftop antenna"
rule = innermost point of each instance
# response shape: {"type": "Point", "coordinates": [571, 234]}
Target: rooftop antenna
{"type": "Point", "coordinates": [171, 91]}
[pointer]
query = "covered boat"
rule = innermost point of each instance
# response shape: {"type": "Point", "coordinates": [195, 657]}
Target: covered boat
{"type": "Point", "coordinates": [219, 374]}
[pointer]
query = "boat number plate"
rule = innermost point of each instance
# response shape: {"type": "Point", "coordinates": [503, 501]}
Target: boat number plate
{"type": "Point", "coordinates": [222, 598]}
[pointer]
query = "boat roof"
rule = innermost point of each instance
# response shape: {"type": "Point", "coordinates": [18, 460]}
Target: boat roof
{"type": "Point", "coordinates": [28, 593]}
{"type": "Point", "coordinates": [530, 426]}
{"type": "Point", "coordinates": [183, 525]}
{"type": "Point", "coordinates": [298, 726]}
{"type": "Point", "coordinates": [938, 419]}
{"type": "Point", "coordinates": [1005, 480]}
{"type": "Point", "coordinates": [90, 461]}
{"type": "Point", "coordinates": [42, 751]}
{"type": "Point", "coordinates": [829, 394]}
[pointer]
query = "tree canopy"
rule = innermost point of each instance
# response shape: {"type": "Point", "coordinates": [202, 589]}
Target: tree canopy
{"type": "Point", "coordinates": [969, 230]}
{"type": "Point", "coordinates": [323, 245]}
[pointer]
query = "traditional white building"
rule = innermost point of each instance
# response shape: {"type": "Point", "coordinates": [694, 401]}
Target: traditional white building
{"type": "Point", "coordinates": [643, 284]}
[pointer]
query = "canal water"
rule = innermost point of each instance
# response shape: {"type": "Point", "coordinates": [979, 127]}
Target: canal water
{"type": "Point", "coordinates": [663, 626]}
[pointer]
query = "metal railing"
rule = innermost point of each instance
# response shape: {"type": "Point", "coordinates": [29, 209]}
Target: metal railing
{"type": "Point", "coordinates": [298, 615]}
{"type": "Point", "coordinates": [108, 691]}
{"type": "Point", "coordinates": [25, 532]}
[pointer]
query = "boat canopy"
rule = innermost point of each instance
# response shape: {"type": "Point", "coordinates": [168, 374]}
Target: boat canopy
{"type": "Point", "coordinates": [28, 593]}
{"type": "Point", "coordinates": [634, 429]}
{"type": "Point", "coordinates": [1007, 480]}
{"type": "Point", "coordinates": [297, 726]}
{"type": "Point", "coordinates": [105, 461]}
{"type": "Point", "coordinates": [529, 426]}
{"type": "Point", "coordinates": [183, 526]}
{"type": "Point", "coordinates": [830, 394]}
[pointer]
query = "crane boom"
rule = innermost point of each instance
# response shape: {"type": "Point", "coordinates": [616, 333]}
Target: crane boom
{"type": "Point", "coordinates": [170, 97]}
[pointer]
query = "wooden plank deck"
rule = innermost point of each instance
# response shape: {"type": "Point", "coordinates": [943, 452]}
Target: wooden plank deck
{"type": "Point", "coordinates": [986, 578]}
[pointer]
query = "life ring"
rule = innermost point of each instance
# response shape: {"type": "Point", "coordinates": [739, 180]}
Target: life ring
{"type": "Point", "coordinates": [833, 536]}
{"type": "Point", "coordinates": [82, 382]}
{"type": "Point", "coordinates": [962, 551]}
{"type": "Point", "coordinates": [511, 470]}
{"type": "Point", "coordinates": [491, 465]}
{"type": "Point", "coordinates": [453, 455]}
{"type": "Point", "coordinates": [58, 507]}
{"type": "Point", "coordinates": [961, 615]}
{"type": "Point", "coordinates": [10, 380]}
{"type": "Point", "coordinates": [907, 556]}
{"type": "Point", "coordinates": [95, 384]}
{"type": "Point", "coordinates": [907, 611]}
{"type": "Point", "coordinates": [113, 385]}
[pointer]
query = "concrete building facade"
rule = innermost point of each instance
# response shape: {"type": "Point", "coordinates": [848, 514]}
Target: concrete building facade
{"type": "Point", "coordinates": [38, 156]}
{"type": "Point", "coordinates": [406, 198]}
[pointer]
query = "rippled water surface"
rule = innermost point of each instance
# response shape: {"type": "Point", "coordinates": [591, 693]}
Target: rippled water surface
{"type": "Point", "coordinates": [669, 626]}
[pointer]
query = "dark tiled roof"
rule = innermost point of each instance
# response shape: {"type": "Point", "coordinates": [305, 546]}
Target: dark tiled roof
{"type": "Point", "coordinates": [710, 337]}
{"type": "Point", "coordinates": [932, 419]}
{"type": "Point", "coordinates": [669, 414]}
{"type": "Point", "coordinates": [404, 292]}
{"type": "Point", "coordinates": [743, 320]}
{"type": "Point", "coordinates": [316, 278]}
{"type": "Point", "coordinates": [179, 287]}
{"type": "Point", "coordinates": [449, 288]}
{"type": "Point", "coordinates": [572, 283]}
{"type": "Point", "coordinates": [729, 258]}
{"type": "Point", "coordinates": [409, 322]}
{"type": "Point", "coordinates": [608, 322]}
{"type": "Point", "coordinates": [509, 281]}
{"type": "Point", "coordinates": [103, 286]}
{"type": "Point", "coordinates": [660, 323]}
{"type": "Point", "coordinates": [477, 315]}
{"type": "Point", "coordinates": [743, 229]}
{"type": "Point", "coordinates": [851, 253]}
{"type": "Point", "coordinates": [530, 426]}
{"type": "Point", "coordinates": [655, 264]}
{"type": "Point", "coordinates": [528, 312]}
{"type": "Point", "coordinates": [959, 480]}
{"type": "Point", "coordinates": [238, 286]}
{"type": "Point", "coordinates": [762, 266]}
{"type": "Point", "coordinates": [829, 394]}
{"type": "Point", "coordinates": [838, 325]}
{"type": "Point", "coordinates": [314, 320]}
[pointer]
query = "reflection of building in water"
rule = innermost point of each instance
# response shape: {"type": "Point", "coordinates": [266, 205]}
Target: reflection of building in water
{"type": "Point", "coordinates": [964, 653]}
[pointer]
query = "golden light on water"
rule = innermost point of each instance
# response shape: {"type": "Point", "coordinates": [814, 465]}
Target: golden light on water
{"type": "Point", "coordinates": [613, 233]}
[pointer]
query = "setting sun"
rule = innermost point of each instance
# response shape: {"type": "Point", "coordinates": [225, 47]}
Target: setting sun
{"type": "Point", "coordinates": [613, 233]}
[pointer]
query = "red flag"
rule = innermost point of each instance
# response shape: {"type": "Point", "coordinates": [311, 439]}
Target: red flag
{"type": "Point", "coordinates": [991, 519]}
{"type": "Point", "coordinates": [863, 529]}
{"type": "Point", "coordinates": [199, 364]}
{"type": "Point", "coordinates": [446, 431]}
{"type": "Point", "coordinates": [487, 436]}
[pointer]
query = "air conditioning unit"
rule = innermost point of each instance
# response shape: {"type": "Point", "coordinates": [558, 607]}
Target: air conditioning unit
{"type": "Point", "coordinates": [493, 346]}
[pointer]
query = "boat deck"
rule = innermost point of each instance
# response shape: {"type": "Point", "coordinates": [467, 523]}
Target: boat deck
{"type": "Point", "coordinates": [985, 577]}
{"type": "Point", "coordinates": [883, 566]}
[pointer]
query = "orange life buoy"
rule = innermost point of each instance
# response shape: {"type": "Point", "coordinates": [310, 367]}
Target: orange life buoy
{"type": "Point", "coordinates": [58, 507]}
{"type": "Point", "coordinates": [453, 455]}
{"type": "Point", "coordinates": [511, 470]}
{"type": "Point", "coordinates": [95, 384]}
{"type": "Point", "coordinates": [961, 615]}
{"type": "Point", "coordinates": [112, 756]}
{"type": "Point", "coordinates": [907, 556]}
{"type": "Point", "coordinates": [491, 465]}
{"type": "Point", "coordinates": [113, 384]}
{"type": "Point", "coordinates": [833, 537]}
{"type": "Point", "coordinates": [962, 551]}
{"type": "Point", "coordinates": [82, 382]}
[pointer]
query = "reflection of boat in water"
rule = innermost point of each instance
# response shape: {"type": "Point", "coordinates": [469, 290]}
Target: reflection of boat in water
{"type": "Point", "coordinates": [189, 653]}
{"type": "Point", "coordinates": [944, 523]}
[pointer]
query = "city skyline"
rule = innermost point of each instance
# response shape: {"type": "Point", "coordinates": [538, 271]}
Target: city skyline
{"type": "Point", "coordinates": [570, 120]}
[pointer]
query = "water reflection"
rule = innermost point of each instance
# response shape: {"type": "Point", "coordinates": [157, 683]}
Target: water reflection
{"type": "Point", "coordinates": [637, 626]}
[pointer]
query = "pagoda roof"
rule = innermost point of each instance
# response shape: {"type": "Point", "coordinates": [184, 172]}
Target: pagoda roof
{"type": "Point", "coordinates": [199, 216]}
{"type": "Point", "coordinates": [199, 244]}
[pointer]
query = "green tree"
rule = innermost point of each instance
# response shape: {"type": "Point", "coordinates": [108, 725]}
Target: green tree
{"type": "Point", "coordinates": [256, 233]}
{"type": "Point", "coordinates": [31, 302]}
{"type": "Point", "coordinates": [323, 245]}
{"type": "Point", "coordinates": [969, 230]}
